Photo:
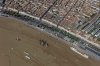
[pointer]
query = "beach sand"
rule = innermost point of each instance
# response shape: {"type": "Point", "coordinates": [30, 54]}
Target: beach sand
{"type": "Point", "coordinates": [28, 52]}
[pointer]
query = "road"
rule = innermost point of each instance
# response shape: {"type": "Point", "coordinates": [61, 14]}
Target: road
{"type": "Point", "coordinates": [91, 21]}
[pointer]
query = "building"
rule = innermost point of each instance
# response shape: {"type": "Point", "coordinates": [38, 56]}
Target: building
{"type": "Point", "coordinates": [2, 1]}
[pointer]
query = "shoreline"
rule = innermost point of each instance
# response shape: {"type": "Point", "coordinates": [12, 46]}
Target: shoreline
{"type": "Point", "coordinates": [48, 22]}
{"type": "Point", "coordinates": [42, 30]}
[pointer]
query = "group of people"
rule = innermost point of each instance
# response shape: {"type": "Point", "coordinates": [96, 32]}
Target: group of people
{"type": "Point", "coordinates": [43, 43]}
{"type": "Point", "coordinates": [18, 39]}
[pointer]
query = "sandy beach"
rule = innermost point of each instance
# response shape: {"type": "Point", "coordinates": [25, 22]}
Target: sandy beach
{"type": "Point", "coordinates": [28, 52]}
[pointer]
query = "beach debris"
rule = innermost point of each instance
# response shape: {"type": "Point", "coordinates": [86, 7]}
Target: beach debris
{"type": "Point", "coordinates": [27, 57]}
{"type": "Point", "coordinates": [26, 53]}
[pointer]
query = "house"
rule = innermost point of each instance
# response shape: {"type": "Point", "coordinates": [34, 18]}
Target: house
{"type": "Point", "coordinates": [2, 1]}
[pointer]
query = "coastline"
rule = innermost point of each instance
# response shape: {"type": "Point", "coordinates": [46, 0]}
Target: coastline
{"type": "Point", "coordinates": [45, 21]}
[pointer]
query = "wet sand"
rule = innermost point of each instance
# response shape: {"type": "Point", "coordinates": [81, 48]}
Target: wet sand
{"type": "Point", "coordinates": [12, 51]}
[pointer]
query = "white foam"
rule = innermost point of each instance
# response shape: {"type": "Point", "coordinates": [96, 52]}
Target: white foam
{"type": "Point", "coordinates": [75, 50]}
